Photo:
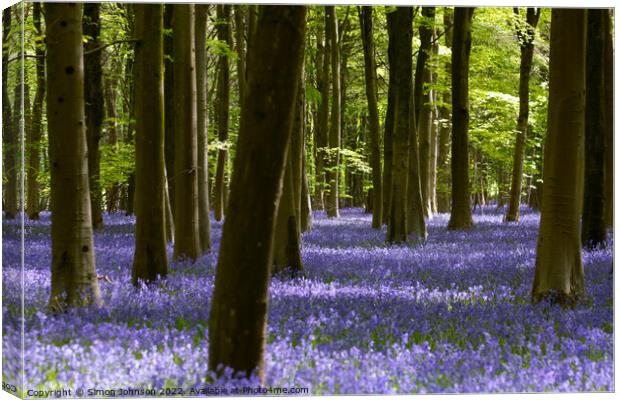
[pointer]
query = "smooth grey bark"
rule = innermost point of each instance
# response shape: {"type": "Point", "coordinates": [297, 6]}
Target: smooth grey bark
{"type": "Point", "coordinates": [74, 279]}
{"type": "Point", "coordinates": [559, 271]}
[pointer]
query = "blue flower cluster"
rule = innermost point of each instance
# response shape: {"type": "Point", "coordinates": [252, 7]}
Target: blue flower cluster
{"type": "Point", "coordinates": [452, 314]}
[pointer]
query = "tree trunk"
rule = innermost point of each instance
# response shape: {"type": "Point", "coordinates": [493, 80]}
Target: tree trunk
{"type": "Point", "coordinates": [422, 99]}
{"type": "Point", "coordinates": [9, 132]}
{"type": "Point", "coordinates": [35, 132]}
{"type": "Point", "coordinates": [370, 72]}
{"type": "Point", "coordinates": [323, 63]}
{"type": "Point", "coordinates": [609, 119]}
{"type": "Point", "coordinates": [559, 271]}
{"type": "Point", "coordinates": [240, 47]}
{"type": "Point", "coordinates": [93, 97]}
{"type": "Point", "coordinates": [526, 41]}
{"type": "Point", "coordinates": [400, 35]}
{"type": "Point", "coordinates": [112, 192]}
{"type": "Point", "coordinates": [333, 157]}
{"type": "Point", "coordinates": [221, 105]}
{"type": "Point", "coordinates": [237, 321]}
{"type": "Point", "coordinates": [186, 235]}
{"type": "Point", "coordinates": [150, 261]}
{"type": "Point", "coordinates": [434, 130]}
{"type": "Point", "coordinates": [74, 279]}
{"type": "Point", "coordinates": [388, 150]}
{"type": "Point", "coordinates": [204, 223]}
{"type": "Point", "coordinates": [460, 217]}
{"type": "Point", "coordinates": [593, 229]}
{"type": "Point", "coordinates": [169, 148]}
{"type": "Point", "coordinates": [443, 150]}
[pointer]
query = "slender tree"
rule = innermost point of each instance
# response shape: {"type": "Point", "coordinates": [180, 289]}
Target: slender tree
{"type": "Point", "coordinates": [204, 225]}
{"type": "Point", "coordinates": [93, 97]}
{"type": "Point", "coordinates": [321, 132]}
{"type": "Point", "coordinates": [150, 260]}
{"type": "Point", "coordinates": [559, 271]}
{"type": "Point", "coordinates": [35, 132]}
{"type": "Point", "coordinates": [400, 36]}
{"type": "Point", "coordinates": [334, 137]}
{"type": "Point", "coordinates": [422, 100]}
{"type": "Point", "coordinates": [525, 35]}
{"type": "Point", "coordinates": [370, 72]}
{"type": "Point", "coordinates": [74, 279]}
{"type": "Point", "coordinates": [593, 229]}
{"type": "Point", "coordinates": [169, 148]}
{"type": "Point", "coordinates": [240, 47]}
{"type": "Point", "coordinates": [221, 108]}
{"type": "Point", "coordinates": [9, 132]}
{"type": "Point", "coordinates": [460, 217]}
{"type": "Point", "coordinates": [186, 235]}
{"type": "Point", "coordinates": [240, 300]}
{"type": "Point", "coordinates": [443, 146]}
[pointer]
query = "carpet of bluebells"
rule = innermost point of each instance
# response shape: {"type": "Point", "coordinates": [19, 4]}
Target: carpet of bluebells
{"type": "Point", "coordinates": [452, 314]}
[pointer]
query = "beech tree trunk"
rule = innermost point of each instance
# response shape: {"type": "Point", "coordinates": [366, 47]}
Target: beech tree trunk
{"type": "Point", "coordinates": [93, 97]}
{"type": "Point", "coordinates": [559, 271]}
{"type": "Point", "coordinates": [593, 228]}
{"type": "Point", "coordinates": [9, 132]}
{"type": "Point", "coordinates": [526, 41]}
{"type": "Point", "coordinates": [460, 217]}
{"type": "Point", "coordinates": [321, 131]}
{"type": "Point", "coordinates": [186, 235]}
{"type": "Point", "coordinates": [400, 35]}
{"type": "Point", "coordinates": [370, 72]}
{"type": "Point", "coordinates": [74, 279]}
{"type": "Point", "coordinates": [237, 321]}
{"type": "Point", "coordinates": [169, 148]}
{"type": "Point", "coordinates": [113, 192]}
{"type": "Point", "coordinates": [35, 132]}
{"type": "Point", "coordinates": [333, 157]}
{"type": "Point", "coordinates": [443, 150]}
{"type": "Point", "coordinates": [422, 100]}
{"type": "Point", "coordinates": [150, 261]}
{"type": "Point", "coordinates": [240, 47]}
{"type": "Point", "coordinates": [388, 149]}
{"type": "Point", "coordinates": [204, 223]}
{"type": "Point", "coordinates": [609, 120]}
{"type": "Point", "coordinates": [434, 129]}
{"type": "Point", "coordinates": [222, 102]}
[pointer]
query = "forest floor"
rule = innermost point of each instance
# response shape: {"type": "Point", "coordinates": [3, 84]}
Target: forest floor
{"type": "Point", "coordinates": [450, 315]}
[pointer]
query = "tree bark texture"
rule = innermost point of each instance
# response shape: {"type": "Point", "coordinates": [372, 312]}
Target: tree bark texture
{"type": "Point", "coordinates": [237, 322]}
{"type": "Point", "coordinates": [593, 228]}
{"type": "Point", "coordinates": [370, 72]}
{"type": "Point", "coordinates": [400, 36]}
{"type": "Point", "coordinates": [93, 98]}
{"type": "Point", "coordinates": [150, 259]}
{"type": "Point", "coordinates": [559, 271]}
{"type": "Point", "coordinates": [460, 217]}
{"type": "Point", "coordinates": [204, 223]}
{"type": "Point", "coordinates": [74, 279]}
{"type": "Point", "coordinates": [186, 235]}
{"type": "Point", "coordinates": [222, 102]}
{"type": "Point", "coordinates": [334, 137]}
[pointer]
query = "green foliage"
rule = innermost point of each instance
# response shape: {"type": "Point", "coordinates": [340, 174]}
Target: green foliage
{"type": "Point", "coordinates": [117, 163]}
